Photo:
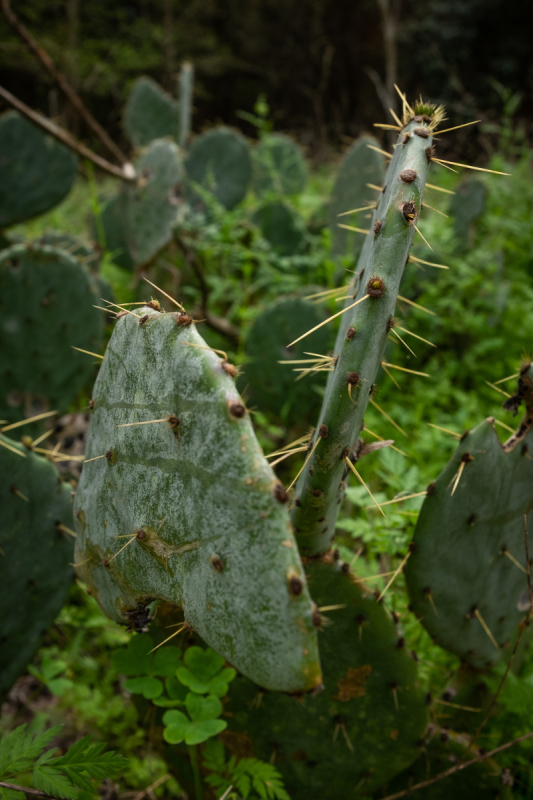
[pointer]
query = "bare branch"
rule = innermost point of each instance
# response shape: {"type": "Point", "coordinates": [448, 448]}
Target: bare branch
{"type": "Point", "coordinates": [458, 768]}
{"type": "Point", "coordinates": [25, 789]}
{"type": "Point", "coordinates": [62, 82]}
{"type": "Point", "coordinates": [127, 174]}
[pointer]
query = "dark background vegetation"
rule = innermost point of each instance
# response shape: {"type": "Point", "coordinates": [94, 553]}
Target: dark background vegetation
{"type": "Point", "coordinates": [323, 64]}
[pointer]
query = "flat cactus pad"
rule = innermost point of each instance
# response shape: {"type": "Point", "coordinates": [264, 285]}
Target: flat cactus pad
{"type": "Point", "coordinates": [203, 518]}
{"type": "Point", "coordinates": [35, 554]}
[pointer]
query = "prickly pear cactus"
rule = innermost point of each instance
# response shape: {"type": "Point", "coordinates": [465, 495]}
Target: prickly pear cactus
{"type": "Point", "coordinates": [360, 166]}
{"type": "Point", "coordinates": [73, 245]}
{"type": "Point", "coordinates": [279, 166]}
{"type": "Point", "coordinates": [467, 579]}
{"type": "Point", "coordinates": [219, 162]}
{"type": "Point", "coordinates": [364, 333]}
{"type": "Point", "coordinates": [150, 113]}
{"type": "Point", "coordinates": [114, 223]}
{"type": "Point", "coordinates": [46, 304]}
{"type": "Point", "coordinates": [35, 553]}
{"type": "Point", "coordinates": [363, 728]}
{"type": "Point", "coordinates": [273, 385]}
{"type": "Point", "coordinates": [153, 201]}
{"type": "Point", "coordinates": [36, 171]}
{"type": "Point", "coordinates": [442, 750]}
{"type": "Point", "coordinates": [282, 227]}
{"type": "Point", "coordinates": [202, 517]}
{"type": "Point", "coordinates": [467, 205]}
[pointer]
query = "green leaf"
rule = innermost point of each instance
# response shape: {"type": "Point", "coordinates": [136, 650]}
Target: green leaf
{"type": "Point", "coordinates": [176, 690]}
{"type": "Point", "coordinates": [186, 677]}
{"type": "Point", "coordinates": [166, 702]}
{"type": "Point", "coordinates": [176, 727]}
{"type": "Point", "coordinates": [50, 780]}
{"type": "Point", "coordinates": [202, 709]}
{"type": "Point", "coordinates": [148, 687]}
{"type": "Point", "coordinates": [50, 669]}
{"type": "Point", "coordinates": [203, 664]}
{"type": "Point", "coordinates": [11, 794]}
{"type": "Point", "coordinates": [219, 685]}
{"type": "Point", "coordinates": [87, 756]}
{"type": "Point", "coordinates": [20, 748]}
{"type": "Point", "coordinates": [166, 661]}
{"type": "Point", "coordinates": [136, 658]}
{"type": "Point", "coordinates": [59, 686]}
{"type": "Point", "coordinates": [201, 731]}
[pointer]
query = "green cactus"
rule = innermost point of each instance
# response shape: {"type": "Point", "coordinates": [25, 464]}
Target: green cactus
{"type": "Point", "coordinates": [46, 303]}
{"type": "Point", "coordinates": [360, 166]}
{"type": "Point", "coordinates": [364, 727]}
{"type": "Point", "coordinates": [150, 113]}
{"type": "Point", "coordinates": [36, 172]}
{"type": "Point", "coordinates": [466, 580]}
{"type": "Point", "coordinates": [443, 750]}
{"type": "Point", "coordinates": [364, 335]}
{"type": "Point", "coordinates": [219, 162]}
{"type": "Point", "coordinates": [138, 222]}
{"type": "Point", "coordinates": [74, 246]}
{"type": "Point", "coordinates": [114, 223]}
{"type": "Point", "coordinates": [467, 205]}
{"type": "Point", "coordinates": [273, 386]}
{"type": "Point", "coordinates": [186, 88]}
{"type": "Point", "coordinates": [282, 227]}
{"type": "Point", "coordinates": [206, 519]}
{"type": "Point", "coordinates": [35, 551]}
{"type": "Point", "coordinates": [279, 166]}
{"type": "Point", "coordinates": [153, 201]}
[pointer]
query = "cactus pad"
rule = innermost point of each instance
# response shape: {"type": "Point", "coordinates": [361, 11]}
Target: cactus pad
{"type": "Point", "coordinates": [207, 519]}
{"type": "Point", "coordinates": [114, 222]}
{"type": "Point", "coordinates": [273, 385]}
{"type": "Point", "coordinates": [35, 573]}
{"type": "Point", "coordinates": [360, 166]}
{"type": "Point", "coordinates": [152, 202]}
{"type": "Point", "coordinates": [46, 305]}
{"type": "Point", "coordinates": [460, 580]}
{"type": "Point", "coordinates": [282, 227]}
{"type": "Point", "coordinates": [219, 161]}
{"type": "Point", "coordinates": [363, 335]}
{"type": "Point", "coordinates": [279, 166]}
{"type": "Point", "coordinates": [150, 113]}
{"type": "Point", "coordinates": [36, 172]}
{"type": "Point", "coordinates": [362, 729]}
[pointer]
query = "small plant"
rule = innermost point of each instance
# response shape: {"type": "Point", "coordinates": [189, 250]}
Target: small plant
{"type": "Point", "coordinates": [22, 752]}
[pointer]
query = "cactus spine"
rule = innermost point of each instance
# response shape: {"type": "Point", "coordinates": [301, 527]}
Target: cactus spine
{"type": "Point", "coordinates": [360, 349]}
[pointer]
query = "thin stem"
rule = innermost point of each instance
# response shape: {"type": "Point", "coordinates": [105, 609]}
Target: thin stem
{"type": "Point", "coordinates": [458, 768]}
{"type": "Point", "coordinates": [62, 82]}
{"type": "Point", "coordinates": [24, 789]}
{"type": "Point", "coordinates": [65, 138]}
{"type": "Point", "coordinates": [196, 771]}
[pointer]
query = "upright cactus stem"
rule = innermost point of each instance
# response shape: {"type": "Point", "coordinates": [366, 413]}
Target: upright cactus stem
{"type": "Point", "coordinates": [363, 335]}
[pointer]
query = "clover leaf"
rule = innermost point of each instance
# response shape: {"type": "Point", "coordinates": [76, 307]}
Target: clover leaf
{"type": "Point", "coordinates": [202, 725]}
{"type": "Point", "coordinates": [176, 691]}
{"type": "Point", "coordinates": [142, 666]}
{"type": "Point", "coordinates": [204, 673]}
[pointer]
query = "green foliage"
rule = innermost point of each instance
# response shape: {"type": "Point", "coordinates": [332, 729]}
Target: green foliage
{"type": "Point", "coordinates": [279, 166]}
{"type": "Point", "coordinates": [142, 666]}
{"type": "Point", "coordinates": [200, 725]}
{"type": "Point", "coordinates": [37, 171]}
{"type": "Point", "coordinates": [21, 752]}
{"type": "Point", "coordinates": [248, 776]}
{"type": "Point", "coordinates": [466, 207]}
{"type": "Point", "coordinates": [204, 672]}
